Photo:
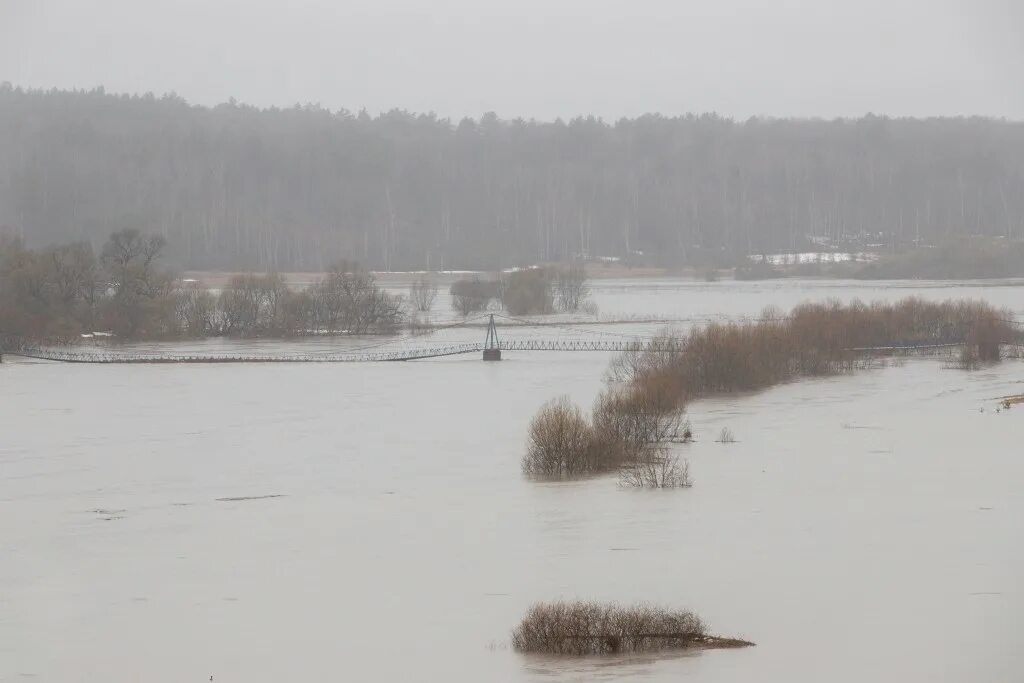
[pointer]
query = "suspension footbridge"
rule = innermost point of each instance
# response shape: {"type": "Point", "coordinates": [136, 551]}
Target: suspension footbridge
{"type": "Point", "coordinates": [409, 347]}
{"type": "Point", "coordinates": [388, 351]}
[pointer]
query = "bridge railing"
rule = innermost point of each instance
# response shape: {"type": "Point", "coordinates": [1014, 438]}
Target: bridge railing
{"type": "Point", "coordinates": [66, 356]}
{"type": "Point", "coordinates": [21, 348]}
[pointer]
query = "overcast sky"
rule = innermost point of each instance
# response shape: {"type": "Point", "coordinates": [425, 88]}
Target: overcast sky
{"type": "Point", "coordinates": [535, 58]}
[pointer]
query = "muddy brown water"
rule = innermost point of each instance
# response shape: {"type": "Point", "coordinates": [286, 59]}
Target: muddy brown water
{"type": "Point", "coordinates": [368, 521]}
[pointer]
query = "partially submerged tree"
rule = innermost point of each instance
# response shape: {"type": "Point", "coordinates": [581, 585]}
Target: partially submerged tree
{"type": "Point", "coordinates": [657, 468]}
{"type": "Point", "coordinates": [422, 293]}
{"type": "Point", "coordinates": [348, 299]}
{"type": "Point", "coordinates": [571, 287]}
{"type": "Point", "coordinates": [141, 303]}
{"type": "Point", "coordinates": [474, 295]}
{"type": "Point", "coordinates": [196, 310]}
{"type": "Point", "coordinates": [50, 293]}
{"type": "Point", "coordinates": [528, 292]}
{"type": "Point", "coordinates": [560, 442]}
{"type": "Point", "coordinates": [254, 304]}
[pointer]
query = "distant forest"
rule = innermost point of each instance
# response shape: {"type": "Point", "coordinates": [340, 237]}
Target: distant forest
{"type": "Point", "coordinates": [235, 187]}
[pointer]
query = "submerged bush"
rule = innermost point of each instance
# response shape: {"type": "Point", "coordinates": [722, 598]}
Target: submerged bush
{"type": "Point", "coordinates": [626, 427]}
{"type": "Point", "coordinates": [589, 628]}
{"type": "Point", "coordinates": [529, 291]}
{"type": "Point", "coordinates": [650, 384]}
{"type": "Point", "coordinates": [473, 296]}
{"type": "Point", "coordinates": [814, 339]}
{"type": "Point", "coordinates": [571, 287]}
{"type": "Point", "coordinates": [643, 412]}
{"type": "Point", "coordinates": [657, 469]}
{"type": "Point", "coordinates": [563, 444]}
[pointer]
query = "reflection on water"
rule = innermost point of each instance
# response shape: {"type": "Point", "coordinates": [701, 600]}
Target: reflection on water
{"type": "Point", "coordinates": [863, 527]}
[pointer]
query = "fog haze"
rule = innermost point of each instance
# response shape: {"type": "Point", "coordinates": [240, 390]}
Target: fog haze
{"type": "Point", "coordinates": [534, 58]}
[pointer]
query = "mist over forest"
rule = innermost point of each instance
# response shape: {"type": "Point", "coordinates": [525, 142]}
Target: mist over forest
{"type": "Point", "coordinates": [234, 187]}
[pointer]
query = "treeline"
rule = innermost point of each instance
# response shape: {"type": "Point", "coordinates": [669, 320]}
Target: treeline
{"type": "Point", "coordinates": [238, 188]}
{"type": "Point", "coordinates": [345, 300]}
{"type": "Point", "coordinates": [641, 409]}
{"type": "Point", "coordinates": [60, 292]}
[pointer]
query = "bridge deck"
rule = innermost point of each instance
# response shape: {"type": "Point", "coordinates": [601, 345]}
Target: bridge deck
{"type": "Point", "coordinates": [404, 354]}
{"type": "Point", "coordinates": [436, 351]}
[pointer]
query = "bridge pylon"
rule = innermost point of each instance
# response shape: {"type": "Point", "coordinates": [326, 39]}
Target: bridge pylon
{"type": "Point", "coordinates": [492, 350]}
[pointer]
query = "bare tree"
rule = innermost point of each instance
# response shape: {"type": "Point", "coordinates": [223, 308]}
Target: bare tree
{"type": "Point", "coordinates": [130, 258]}
{"type": "Point", "coordinates": [422, 293]}
{"type": "Point", "coordinates": [466, 305]}
{"type": "Point", "coordinates": [240, 303]}
{"type": "Point", "coordinates": [142, 303]}
{"type": "Point", "coordinates": [196, 310]}
{"type": "Point", "coordinates": [560, 441]}
{"type": "Point", "coordinates": [528, 291]}
{"type": "Point", "coordinates": [571, 287]}
{"type": "Point", "coordinates": [473, 296]}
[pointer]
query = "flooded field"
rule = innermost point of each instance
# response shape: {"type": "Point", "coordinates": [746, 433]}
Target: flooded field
{"type": "Point", "coordinates": [263, 523]}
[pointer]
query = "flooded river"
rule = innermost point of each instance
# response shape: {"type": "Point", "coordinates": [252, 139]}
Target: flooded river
{"type": "Point", "coordinates": [368, 522]}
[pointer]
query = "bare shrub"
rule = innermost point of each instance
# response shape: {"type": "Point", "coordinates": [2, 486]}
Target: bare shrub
{"type": "Point", "coordinates": [528, 292]}
{"type": "Point", "coordinates": [657, 469]}
{"type": "Point", "coordinates": [422, 293]}
{"type": "Point", "coordinates": [687, 433]}
{"type": "Point", "coordinates": [473, 296]}
{"type": "Point", "coordinates": [643, 412]}
{"type": "Point", "coordinates": [814, 339]}
{"type": "Point", "coordinates": [571, 287]}
{"type": "Point", "coordinates": [466, 305]}
{"type": "Point", "coordinates": [651, 383]}
{"type": "Point", "coordinates": [627, 425]}
{"type": "Point", "coordinates": [561, 442]}
{"type": "Point", "coordinates": [657, 356]}
{"type": "Point", "coordinates": [590, 628]}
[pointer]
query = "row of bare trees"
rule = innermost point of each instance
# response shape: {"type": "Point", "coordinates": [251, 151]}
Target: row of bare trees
{"type": "Point", "coordinates": [345, 300]}
{"type": "Point", "coordinates": [530, 291]}
{"type": "Point", "coordinates": [813, 339]}
{"type": "Point", "coordinates": [60, 292]}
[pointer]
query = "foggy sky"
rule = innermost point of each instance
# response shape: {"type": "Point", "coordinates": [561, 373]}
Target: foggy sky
{"type": "Point", "coordinates": [535, 58]}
